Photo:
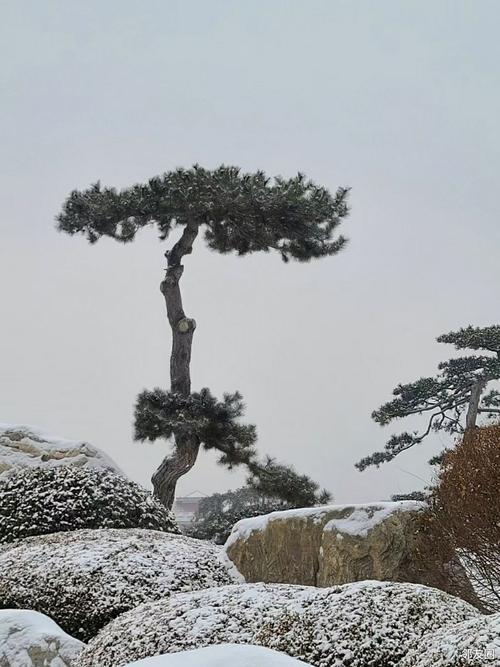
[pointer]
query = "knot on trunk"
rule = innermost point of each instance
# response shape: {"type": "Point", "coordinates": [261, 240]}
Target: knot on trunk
{"type": "Point", "coordinates": [172, 277]}
{"type": "Point", "coordinates": [186, 325]}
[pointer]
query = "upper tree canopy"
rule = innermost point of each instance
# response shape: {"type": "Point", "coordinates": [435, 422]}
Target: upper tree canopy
{"type": "Point", "coordinates": [240, 212]}
{"type": "Point", "coordinates": [474, 338]}
{"type": "Point", "coordinates": [446, 397]}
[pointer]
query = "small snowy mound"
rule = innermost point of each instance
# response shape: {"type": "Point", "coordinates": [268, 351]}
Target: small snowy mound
{"type": "Point", "coordinates": [224, 655]}
{"type": "Point", "coordinates": [360, 625]}
{"type": "Point", "coordinates": [38, 501]}
{"type": "Point", "coordinates": [472, 643]}
{"type": "Point", "coordinates": [28, 447]}
{"type": "Point", "coordinates": [29, 639]}
{"type": "Point", "coordinates": [83, 579]}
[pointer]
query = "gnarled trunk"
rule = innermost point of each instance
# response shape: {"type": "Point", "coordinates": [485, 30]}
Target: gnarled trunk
{"type": "Point", "coordinates": [185, 451]}
{"type": "Point", "coordinates": [172, 468]}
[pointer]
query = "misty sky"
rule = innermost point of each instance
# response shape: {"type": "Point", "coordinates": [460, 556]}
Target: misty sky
{"type": "Point", "coordinates": [398, 99]}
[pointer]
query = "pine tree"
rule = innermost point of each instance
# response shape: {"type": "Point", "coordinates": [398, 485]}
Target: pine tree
{"type": "Point", "coordinates": [236, 212]}
{"type": "Point", "coordinates": [270, 487]}
{"type": "Point", "coordinates": [276, 480]}
{"type": "Point", "coordinates": [452, 399]}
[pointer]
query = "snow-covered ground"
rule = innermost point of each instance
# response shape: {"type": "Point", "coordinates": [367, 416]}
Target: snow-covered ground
{"type": "Point", "coordinates": [224, 655]}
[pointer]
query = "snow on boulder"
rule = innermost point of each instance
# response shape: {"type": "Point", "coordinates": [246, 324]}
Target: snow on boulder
{"type": "Point", "coordinates": [472, 643]}
{"type": "Point", "coordinates": [360, 625]}
{"type": "Point", "coordinates": [28, 447]}
{"type": "Point", "coordinates": [37, 501]}
{"type": "Point", "coordinates": [338, 544]}
{"type": "Point", "coordinates": [29, 639]}
{"type": "Point", "coordinates": [224, 655]}
{"type": "Point", "coordinates": [83, 579]}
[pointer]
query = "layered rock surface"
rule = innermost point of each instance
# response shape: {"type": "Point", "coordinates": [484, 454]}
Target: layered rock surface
{"type": "Point", "coordinates": [29, 447]}
{"type": "Point", "coordinates": [29, 639]}
{"type": "Point", "coordinates": [332, 545]}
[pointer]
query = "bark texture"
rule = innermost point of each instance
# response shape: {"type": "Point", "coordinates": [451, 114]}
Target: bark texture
{"type": "Point", "coordinates": [473, 408]}
{"type": "Point", "coordinates": [185, 451]}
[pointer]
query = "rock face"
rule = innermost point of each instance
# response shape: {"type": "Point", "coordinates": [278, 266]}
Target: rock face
{"type": "Point", "coordinates": [38, 501]}
{"type": "Point", "coordinates": [84, 579]}
{"type": "Point", "coordinates": [27, 447]}
{"type": "Point", "coordinates": [224, 655]}
{"type": "Point", "coordinates": [368, 624]}
{"type": "Point", "coordinates": [330, 545]}
{"type": "Point", "coordinates": [29, 639]}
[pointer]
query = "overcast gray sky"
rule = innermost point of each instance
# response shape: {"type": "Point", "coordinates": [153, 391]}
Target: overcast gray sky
{"type": "Point", "coordinates": [398, 99]}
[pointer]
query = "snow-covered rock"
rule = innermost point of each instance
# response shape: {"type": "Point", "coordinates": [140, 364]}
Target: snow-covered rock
{"type": "Point", "coordinates": [27, 447]}
{"type": "Point", "coordinates": [339, 544]}
{"type": "Point", "coordinates": [83, 579]}
{"type": "Point", "coordinates": [360, 625]}
{"type": "Point", "coordinates": [37, 501]}
{"type": "Point", "coordinates": [472, 643]}
{"type": "Point", "coordinates": [29, 639]}
{"type": "Point", "coordinates": [224, 655]}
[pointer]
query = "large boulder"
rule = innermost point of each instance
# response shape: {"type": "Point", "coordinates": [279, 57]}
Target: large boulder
{"type": "Point", "coordinates": [338, 544]}
{"type": "Point", "coordinates": [224, 655]}
{"type": "Point", "coordinates": [366, 624]}
{"type": "Point", "coordinates": [28, 447]}
{"type": "Point", "coordinates": [472, 643]}
{"type": "Point", "coordinates": [37, 501]}
{"type": "Point", "coordinates": [83, 579]}
{"type": "Point", "coordinates": [29, 639]}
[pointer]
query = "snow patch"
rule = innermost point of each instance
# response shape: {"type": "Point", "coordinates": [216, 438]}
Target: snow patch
{"type": "Point", "coordinates": [224, 655]}
{"type": "Point", "coordinates": [365, 517]}
{"type": "Point", "coordinates": [360, 519]}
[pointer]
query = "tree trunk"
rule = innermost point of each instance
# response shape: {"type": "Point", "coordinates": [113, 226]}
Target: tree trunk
{"type": "Point", "coordinates": [172, 468]}
{"type": "Point", "coordinates": [185, 451]}
{"type": "Point", "coordinates": [473, 409]}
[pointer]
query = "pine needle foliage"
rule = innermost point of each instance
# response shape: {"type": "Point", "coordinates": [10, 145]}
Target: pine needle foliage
{"type": "Point", "coordinates": [445, 397]}
{"type": "Point", "coordinates": [242, 213]}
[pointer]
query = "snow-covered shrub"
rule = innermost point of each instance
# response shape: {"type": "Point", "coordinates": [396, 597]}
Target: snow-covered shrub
{"type": "Point", "coordinates": [472, 643]}
{"type": "Point", "coordinates": [357, 625]}
{"type": "Point", "coordinates": [83, 579]}
{"type": "Point", "coordinates": [224, 655]}
{"type": "Point", "coordinates": [29, 639]}
{"type": "Point", "coordinates": [37, 501]}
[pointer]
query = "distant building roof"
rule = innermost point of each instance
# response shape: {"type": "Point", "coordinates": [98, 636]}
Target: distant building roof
{"type": "Point", "coordinates": [186, 507]}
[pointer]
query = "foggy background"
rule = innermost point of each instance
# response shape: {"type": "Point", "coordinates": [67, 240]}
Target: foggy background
{"type": "Point", "coordinates": [399, 100]}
